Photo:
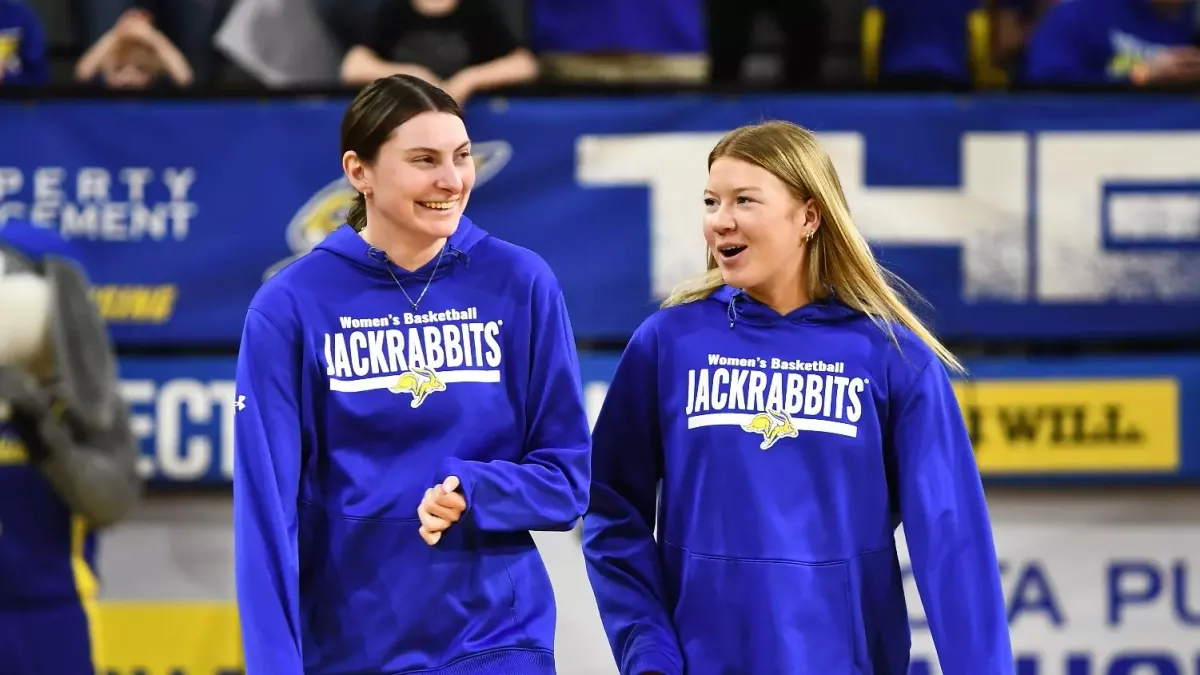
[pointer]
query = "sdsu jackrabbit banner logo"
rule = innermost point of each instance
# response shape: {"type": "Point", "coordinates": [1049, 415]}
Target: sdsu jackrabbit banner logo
{"type": "Point", "coordinates": [775, 398]}
{"type": "Point", "coordinates": [325, 211]}
{"type": "Point", "coordinates": [413, 355]}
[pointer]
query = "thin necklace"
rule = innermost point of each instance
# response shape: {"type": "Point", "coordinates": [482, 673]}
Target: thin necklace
{"type": "Point", "coordinates": [427, 283]}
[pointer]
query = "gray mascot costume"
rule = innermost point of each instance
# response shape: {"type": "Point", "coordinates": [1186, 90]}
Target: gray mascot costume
{"type": "Point", "coordinates": [67, 455]}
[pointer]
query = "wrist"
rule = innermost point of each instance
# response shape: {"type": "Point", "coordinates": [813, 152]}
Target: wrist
{"type": "Point", "coordinates": [1139, 74]}
{"type": "Point", "coordinates": [467, 77]}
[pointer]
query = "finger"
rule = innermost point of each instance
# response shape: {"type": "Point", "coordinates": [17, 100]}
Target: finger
{"type": "Point", "coordinates": [453, 501]}
{"type": "Point", "coordinates": [430, 538]}
{"type": "Point", "coordinates": [451, 484]}
{"type": "Point", "coordinates": [430, 521]}
{"type": "Point", "coordinates": [446, 513]}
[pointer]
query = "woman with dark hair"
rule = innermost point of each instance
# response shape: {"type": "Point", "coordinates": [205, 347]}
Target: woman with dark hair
{"type": "Point", "coordinates": [409, 409]}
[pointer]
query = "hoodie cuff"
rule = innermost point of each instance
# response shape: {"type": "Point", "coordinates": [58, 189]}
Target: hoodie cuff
{"type": "Point", "coordinates": [453, 466]}
{"type": "Point", "coordinates": [653, 662]}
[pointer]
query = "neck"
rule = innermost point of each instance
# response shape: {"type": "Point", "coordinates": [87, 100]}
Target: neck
{"type": "Point", "coordinates": [406, 250]}
{"type": "Point", "coordinates": [784, 294]}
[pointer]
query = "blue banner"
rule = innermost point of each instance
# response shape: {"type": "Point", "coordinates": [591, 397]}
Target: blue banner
{"type": "Point", "coordinates": [1117, 419]}
{"type": "Point", "coordinates": [1023, 217]}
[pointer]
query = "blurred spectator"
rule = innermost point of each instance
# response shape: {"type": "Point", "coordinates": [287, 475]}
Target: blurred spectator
{"type": "Point", "coordinates": [189, 25]}
{"type": "Point", "coordinates": [921, 42]}
{"type": "Point", "coordinates": [134, 55]}
{"type": "Point", "coordinates": [283, 43]}
{"type": "Point", "coordinates": [1098, 41]}
{"type": "Point", "coordinates": [1012, 21]}
{"type": "Point", "coordinates": [463, 46]}
{"type": "Point", "coordinates": [612, 41]}
{"type": "Point", "coordinates": [805, 23]}
{"type": "Point", "coordinates": [22, 46]}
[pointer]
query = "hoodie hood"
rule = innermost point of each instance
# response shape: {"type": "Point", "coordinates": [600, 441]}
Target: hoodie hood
{"type": "Point", "coordinates": [347, 244]}
{"type": "Point", "coordinates": [740, 307]}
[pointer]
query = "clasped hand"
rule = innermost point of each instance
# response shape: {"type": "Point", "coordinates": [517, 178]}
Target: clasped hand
{"type": "Point", "coordinates": [440, 508]}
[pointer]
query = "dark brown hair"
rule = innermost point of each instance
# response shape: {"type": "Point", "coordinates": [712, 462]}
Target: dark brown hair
{"type": "Point", "coordinates": [375, 113]}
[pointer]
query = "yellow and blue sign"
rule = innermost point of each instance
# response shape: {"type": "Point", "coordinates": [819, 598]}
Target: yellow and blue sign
{"type": "Point", "coordinates": [1055, 217]}
{"type": "Point", "coordinates": [1107, 418]}
{"type": "Point", "coordinates": [169, 638]}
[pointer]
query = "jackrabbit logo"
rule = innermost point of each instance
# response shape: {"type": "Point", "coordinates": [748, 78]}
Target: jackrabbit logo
{"type": "Point", "coordinates": [326, 210]}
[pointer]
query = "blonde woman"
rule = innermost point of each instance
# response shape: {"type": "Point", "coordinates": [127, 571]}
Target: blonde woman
{"type": "Point", "coordinates": [793, 409]}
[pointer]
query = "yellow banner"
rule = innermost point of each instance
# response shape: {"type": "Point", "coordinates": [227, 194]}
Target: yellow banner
{"type": "Point", "coordinates": [169, 638]}
{"type": "Point", "coordinates": [1073, 426]}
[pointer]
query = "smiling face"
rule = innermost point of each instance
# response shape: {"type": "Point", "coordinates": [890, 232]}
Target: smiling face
{"type": "Point", "coordinates": [755, 228]}
{"type": "Point", "coordinates": [422, 176]}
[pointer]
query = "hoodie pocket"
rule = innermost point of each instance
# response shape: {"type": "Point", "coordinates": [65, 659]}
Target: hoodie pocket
{"type": "Point", "coordinates": [374, 595]}
{"type": "Point", "coordinates": [763, 616]}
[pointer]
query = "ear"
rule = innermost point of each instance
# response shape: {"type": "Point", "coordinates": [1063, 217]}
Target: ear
{"type": "Point", "coordinates": [808, 217]}
{"type": "Point", "coordinates": [26, 308]}
{"type": "Point", "coordinates": [356, 172]}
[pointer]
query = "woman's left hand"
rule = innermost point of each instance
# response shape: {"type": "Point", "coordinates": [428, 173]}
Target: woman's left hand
{"type": "Point", "coordinates": [441, 507]}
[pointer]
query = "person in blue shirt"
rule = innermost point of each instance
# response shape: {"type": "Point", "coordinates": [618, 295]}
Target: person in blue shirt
{"type": "Point", "coordinates": [763, 436]}
{"type": "Point", "coordinates": [23, 59]}
{"type": "Point", "coordinates": [920, 42]}
{"type": "Point", "coordinates": [1088, 42]}
{"type": "Point", "coordinates": [409, 409]}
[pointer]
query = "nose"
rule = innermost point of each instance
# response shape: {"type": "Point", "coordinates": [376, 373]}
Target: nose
{"type": "Point", "coordinates": [449, 178]}
{"type": "Point", "coordinates": [721, 221]}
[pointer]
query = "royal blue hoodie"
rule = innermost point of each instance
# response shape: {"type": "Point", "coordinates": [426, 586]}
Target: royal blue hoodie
{"type": "Point", "coordinates": [1098, 41]}
{"type": "Point", "coordinates": [787, 448]}
{"type": "Point", "coordinates": [350, 405]}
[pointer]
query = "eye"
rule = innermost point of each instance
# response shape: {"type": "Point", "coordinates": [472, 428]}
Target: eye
{"type": "Point", "coordinates": [465, 154]}
{"type": "Point", "coordinates": [423, 160]}
{"type": "Point", "coordinates": [710, 202]}
{"type": "Point", "coordinates": [744, 200]}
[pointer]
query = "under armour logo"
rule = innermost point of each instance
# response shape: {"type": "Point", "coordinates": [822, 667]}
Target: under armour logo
{"type": "Point", "coordinates": [240, 403]}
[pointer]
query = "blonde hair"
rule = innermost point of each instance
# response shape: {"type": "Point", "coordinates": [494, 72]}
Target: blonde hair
{"type": "Point", "coordinates": [838, 255]}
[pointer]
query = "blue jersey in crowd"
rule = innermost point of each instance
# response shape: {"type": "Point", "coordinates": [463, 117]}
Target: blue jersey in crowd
{"type": "Point", "coordinates": [924, 38]}
{"type": "Point", "coordinates": [1097, 41]}
{"type": "Point", "coordinates": [618, 26]}
{"type": "Point", "coordinates": [351, 403]}
{"type": "Point", "coordinates": [787, 446]}
{"type": "Point", "coordinates": [22, 46]}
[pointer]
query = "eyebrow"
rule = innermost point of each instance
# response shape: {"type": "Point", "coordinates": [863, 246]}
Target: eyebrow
{"type": "Point", "coordinates": [747, 188]}
{"type": "Point", "coordinates": [434, 151]}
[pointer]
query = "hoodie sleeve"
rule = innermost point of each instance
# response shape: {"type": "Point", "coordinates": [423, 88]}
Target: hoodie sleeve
{"type": "Point", "coordinates": [547, 489]}
{"type": "Point", "coordinates": [947, 529]}
{"type": "Point", "coordinates": [1063, 50]}
{"type": "Point", "coordinates": [619, 549]}
{"type": "Point", "coordinates": [265, 489]}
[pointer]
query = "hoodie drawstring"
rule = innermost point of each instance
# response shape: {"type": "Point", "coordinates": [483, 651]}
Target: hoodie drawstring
{"type": "Point", "coordinates": [732, 309]}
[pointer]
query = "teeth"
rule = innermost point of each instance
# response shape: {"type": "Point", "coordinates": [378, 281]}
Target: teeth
{"type": "Point", "coordinates": [441, 206]}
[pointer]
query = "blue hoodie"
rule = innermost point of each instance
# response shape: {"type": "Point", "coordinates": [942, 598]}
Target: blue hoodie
{"type": "Point", "coordinates": [787, 447]}
{"type": "Point", "coordinates": [350, 404]}
{"type": "Point", "coordinates": [1098, 41]}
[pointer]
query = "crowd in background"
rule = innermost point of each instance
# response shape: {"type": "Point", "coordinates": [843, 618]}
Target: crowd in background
{"type": "Point", "coordinates": [469, 46]}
